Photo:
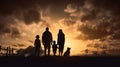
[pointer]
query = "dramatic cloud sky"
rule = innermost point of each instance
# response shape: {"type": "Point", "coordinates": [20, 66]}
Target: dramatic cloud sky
{"type": "Point", "coordinates": [84, 22]}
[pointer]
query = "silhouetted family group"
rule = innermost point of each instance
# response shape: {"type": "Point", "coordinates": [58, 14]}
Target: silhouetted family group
{"type": "Point", "coordinates": [47, 41]}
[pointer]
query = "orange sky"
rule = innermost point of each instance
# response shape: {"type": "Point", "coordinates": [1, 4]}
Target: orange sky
{"type": "Point", "coordinates": [84, 22]}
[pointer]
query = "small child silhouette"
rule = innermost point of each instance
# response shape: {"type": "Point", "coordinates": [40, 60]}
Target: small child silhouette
{"type": "Point", "coordinates": [37, 45]}
{"type": "Point", "coordinates": [54, 46]}
{"type": "Point", "coordinates": [67, 53]}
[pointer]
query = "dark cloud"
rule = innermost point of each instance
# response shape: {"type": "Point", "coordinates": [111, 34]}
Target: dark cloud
{"type": "Point", "coordinates": [102, 7]}
{"type": "Point", "coordinates": [116, 35]}
{"type": "Point", "coordinates": [69, 21]}
{"type": "Point", "coordinates": [21, 10]}
{"type": "Point", "coordinates": [27, 11]}
{"type": "Point", "coordinates": [111, 45]}
{"type": "Point", "coordinates": [15, 32]}
{"type": "Point", "coordinates": [97, 32]}
{"type": "Point", "coordinates": [8, 26]}
{"type": "Point", "coordinates": [100, 30]}
{"type": "Point", "coordinates": [106, 4]}
{"type": "Point", "coordinates": [30, 8]}
{"type": "Point", "coordinates": [3, 25]}
{"type": "Point", "coordinates": [32, 16]}
{"type": "Point", "coordinates": [116, 45]}
{"type": "Point", "coordinates": [89, 17]}
{"type": "Point", "coordinates": [101, 19]}
{"type": "Point", "coordinates": [104, 15]}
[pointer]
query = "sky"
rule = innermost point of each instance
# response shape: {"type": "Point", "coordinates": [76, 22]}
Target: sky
{"type": "Point", "coordinates": [87, 24]}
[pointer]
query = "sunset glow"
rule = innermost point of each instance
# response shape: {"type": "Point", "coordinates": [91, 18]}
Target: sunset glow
{"type": "Point", "coordinates": [87, 24]}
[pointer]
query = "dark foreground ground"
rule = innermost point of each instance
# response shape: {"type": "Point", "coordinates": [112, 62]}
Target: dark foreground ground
{"type": "Point", "coordinates": [74, 61]}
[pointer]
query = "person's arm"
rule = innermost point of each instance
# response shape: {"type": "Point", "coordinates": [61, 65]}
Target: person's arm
{"type": "Point", "coordinates": [43, 38]}
{"type": "Point", "coordinates": [40, 43]}
{"type": "Point", "coordinates": [58, 39]}
{"type": "Point", "coordinates": [51, 38]}
{"type": "Point", "coordinates": [64, 38]}
{"type": "Point", "coordinates": [35, 42]}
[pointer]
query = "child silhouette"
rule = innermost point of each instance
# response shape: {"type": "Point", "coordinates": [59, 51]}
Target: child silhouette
{"type": "Point", "coordinates": [54, 46]}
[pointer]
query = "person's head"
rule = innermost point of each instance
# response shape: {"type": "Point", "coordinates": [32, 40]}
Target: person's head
{"type": "Point", "coordinates": [68, 48]}
{"type": "Point", "coordinates": [60, 30]}
{"type": "Point", "coordinates": [54, 42]}
{"type": "Point", "coordinates": [47, 29]}
{"type": "Point", "coordinates": [37, 36]}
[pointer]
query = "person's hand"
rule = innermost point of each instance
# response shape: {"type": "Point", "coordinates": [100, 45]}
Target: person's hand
{"type": "Point", "coordinates": [51, 43]}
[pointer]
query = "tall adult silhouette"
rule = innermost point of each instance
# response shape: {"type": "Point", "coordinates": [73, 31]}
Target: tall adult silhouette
{"type": "Point", "coordinates": [37, 45]}
{"type": "Point", "coordinates": [61, 41]}
{"type": "Point", "coordinates": [47, 40]}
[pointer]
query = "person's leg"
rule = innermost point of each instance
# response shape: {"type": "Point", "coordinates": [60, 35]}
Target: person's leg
{"type": "Point", "coordinates": [49, 50]}
{"type": "Point", "coordinates": [35, 52]}
{"type": "Point", "coordinates": [55, 51]}
{"type": "Point", "coordinates": [38, 52]}
{"type": "Point", "coordinates": [62, 48]}
{"type": "Point", "coordinates": [59, 51]}
{"type": "Point", "coordinates": [45, 48]}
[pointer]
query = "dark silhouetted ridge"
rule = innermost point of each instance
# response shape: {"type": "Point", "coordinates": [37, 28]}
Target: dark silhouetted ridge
{"type": "Point", "coordinates": [58, 61]}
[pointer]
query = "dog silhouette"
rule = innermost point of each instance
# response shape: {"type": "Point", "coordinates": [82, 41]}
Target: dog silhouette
{"type": "Point", "coordinates": [67, 52]}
